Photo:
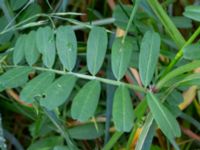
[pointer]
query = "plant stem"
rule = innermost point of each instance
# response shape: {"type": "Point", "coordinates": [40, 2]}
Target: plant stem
{"type": "Point", "coordinates": [87, 77]}
{"type": "Point", "coordinates": [130, 20]}
{"type": "Point", "coordinates": [167, 23]}
{"type": "Point", "coordinates": [113, 140]}
{"type": "Point", "coordinates": [180, 52]}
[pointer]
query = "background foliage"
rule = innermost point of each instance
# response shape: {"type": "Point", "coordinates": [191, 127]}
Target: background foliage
{"type": "Point", "coordinates": [99, 74]}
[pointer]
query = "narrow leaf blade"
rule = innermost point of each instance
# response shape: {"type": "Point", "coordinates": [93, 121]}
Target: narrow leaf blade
{"type": "Point", "coordinates": [146, 136]}
{"type": "Point", "coordinates": [122, 110]}
{"type": "Point", "coordinates": [85, 102]}
{"type": "Point", "coordinates": [96, 49]}
{"type": "Point", "coordinates": [149, 52]}
{"type": "Point", "coordinates": [66, 44]}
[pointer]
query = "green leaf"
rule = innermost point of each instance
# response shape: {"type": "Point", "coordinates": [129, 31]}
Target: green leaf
{"type": "Point", "coordinates": [120, 57]}
{"type": "Point", "coordinates": [178, 71]}
{"type": "Point", "coordinates": [96, 49]}
{"type": "Point", "coordinates": [16, 4]}
{"type": "Point", "coordinates": [182, 22]}
{"type": "Point", "coordinates": [5, 38]}
{"type": "Point", "coordinates": [36, 87]}
{"type": "Point", "coordinates": [58, 92]}
{"type": "Point", "coordinates": [123, 115]}
{"type": "Point", "coordinates": [86, 131]}
{"type": "Point", "coordinates": [61, 148]}
{"type": "Point", "coordinates": [18, 53]}
{"type": "Point", "coordinates": [46, 143]}
{"type": "Point", "coordinates": [192, 51]}
{"type": "Point", "coordinates": [146, 136]}
{"type": "Point", "coordinates": [85, 102]}
{"type": "Point", "coordinates": [32, 10]}
{"type": "Point", "coordinates": [15, 77]}
{"type": "Point", "coordinates": [175, 98]}
{"type": "Point", "coordinates": [66, 44]}
{"type": "Point", "coordinates": [46, 45]}
{"type": "Point", "coordinates": [149, 52]}
{"type": "Point", "coordinates": [192, 12]}
{"type": "Point", "coordinates": [31, 52]}
{"type": "Point", "coordinates": [165, 120]}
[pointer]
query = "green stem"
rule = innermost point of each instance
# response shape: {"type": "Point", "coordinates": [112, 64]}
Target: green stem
{"type": "Point", "coordinates": [167, 23]}
{"type": "Point", "coordinates": [113, 140]}
{"type": "Point", "coordinates": [130, 20]}
{"type": "Point", "coordinates": [180, 52]}
{"type": "Point", "coordinates": [87, 77]}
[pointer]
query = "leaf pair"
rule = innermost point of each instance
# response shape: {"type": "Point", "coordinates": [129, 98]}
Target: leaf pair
{"type": "Point", "coordinates": [25, 47]}
{"type": "Point", "coordinates": [85, 102]}
{"type": "Point", "coordinates": [48, 92]}
{"type": "Point", "coordinates": [43, 41]}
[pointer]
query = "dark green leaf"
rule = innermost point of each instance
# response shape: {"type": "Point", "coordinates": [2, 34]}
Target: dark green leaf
{"type": "Point", "coordinates": [120, 57]}
{"type": "Point", "coordinates": [86, 132]}
{"type": "Point", "coordinates": [61, 148]}
{"type": "Point", "coordinates": [58, 92]}
{"type": "Point", "coordinates": [31, 52]}
{"type": "Point", "coordinates": [32, 10]}
{"type": "Point", "coordinates": [85, 102]}
{"type": "Point", "coordinates": [47, 143]}
{"type": "Point", "coordinates": [192, 51]}
{"type": "Point", "coordinates": [16, 4]}
{"type": "Point", "coordinates": [165, 120]}
{"type": "Point", "coordinates": [18, 53]}
{"type": "Point", "coordinates": [5, 38]}
{"type": "Point", "coordinates": [182, 22]}
{"type": "Point", "coordinates": [149, 52]}
{"type": "Point", "coordinates": [96, 49]}
{"type": "Point", "coordinates": [66, 44]}
{"type": "Point", "coordinates": [178, 71]}
{"type": "Point", "coordinates": [46, 45]}
{"type": "Point", "coordinates": [192, 12]}
{"type": "Point", "coordinates": [175, 98]}
{"type": "Point", "coordinates": [123, 110]}
{"type": "Point", "coordinates": [36, 87]}
{"type": "Point", "coordinates": [15, 77]}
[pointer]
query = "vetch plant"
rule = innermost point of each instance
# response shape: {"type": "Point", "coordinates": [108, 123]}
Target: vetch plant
{"type": "Point", "coordinates": [130, 84]}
